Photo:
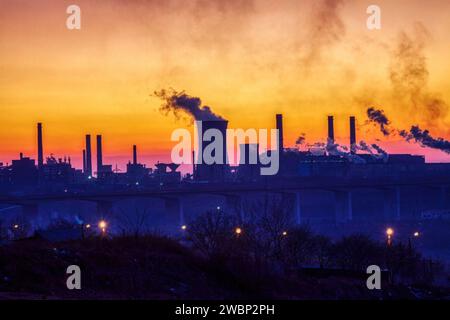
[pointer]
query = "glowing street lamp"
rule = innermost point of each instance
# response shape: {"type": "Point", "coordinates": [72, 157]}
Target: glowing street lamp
{"type": "Point", "coordinates": [284, 234]}
{"type": "Point", "coordinates": [88, 226]}
{"type": "Point", "coordinates": [416, 234]}
{"type": "Point", "coordinates": [389, 233]}
{"type": "Point", "coordinates": [102, 225]}
{"type": "Point", "coordinates": [183, 227]}
{"type": "Point", "coordinates": [16, 226]}
{"type": "Point", "coordinates": [238, 231]}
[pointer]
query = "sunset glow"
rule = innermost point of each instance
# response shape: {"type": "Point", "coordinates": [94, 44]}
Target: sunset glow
{"type": "Point", "coordinates": [247, 60]}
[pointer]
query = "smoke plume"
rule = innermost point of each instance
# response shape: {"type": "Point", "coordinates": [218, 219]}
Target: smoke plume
{"type": "Point", "coordinates": [335, 149]}
{"type": "Point", "coordinates": [375, 151]}
{"type": "Point", "coordinates": [378, 117]}
{"type": "Point", "coordinates": [326, 28]}
{"type": "Point", "coordinates": [425, 139]}
{"type": "Point", "coordinates": [380, 151]}
{"type": "Point", "coordinates": [180, 102]}
{"type": "Point", "coordinates": [409, 77]}
{"type": "Point", "coordinates": [415, 134]}
{"type": "Point", "coordinates": [300, 140]}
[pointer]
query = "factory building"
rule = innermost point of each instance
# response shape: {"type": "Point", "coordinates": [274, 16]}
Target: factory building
{"type": "Point", "coordinates": [319, 160]}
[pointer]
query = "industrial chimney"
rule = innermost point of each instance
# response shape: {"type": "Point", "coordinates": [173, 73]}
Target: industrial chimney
{"type": "Point", "coordinates": [352, 135]}
{"type": "Point", "coordinates": [134, 155]}
{"type": "Point", "coordinates": [40, 146]}
{"type": "Point", "coordinates": [88, 155]}
{"type": "Point", "coordinates": [193, 164]}
{"type": "Point", "coordinates": [84, 160]}
{"type": "Point", "coordinates": [99, 154]}
{"type": "Point", "coordinates": [280, 132]}
{"type": "Point", "coordinates": [330, 129]}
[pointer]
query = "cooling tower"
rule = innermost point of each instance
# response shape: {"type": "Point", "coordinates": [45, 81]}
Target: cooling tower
{"type": "Point", "coordinates": [215, 171]}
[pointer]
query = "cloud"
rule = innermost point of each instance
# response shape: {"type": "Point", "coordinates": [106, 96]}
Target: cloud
{"type": "Point", "coordinates": [180, 102]}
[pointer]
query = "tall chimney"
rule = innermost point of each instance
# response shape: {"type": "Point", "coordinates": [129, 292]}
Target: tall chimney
{"type": "Point", "coordinates": [88, 155]}
{"type": "Point", "coordinates": [99, 154]}
{"type": "Point", "coordinates": [134, 154]}
{"type": "Point", "coordinates": [352, 134]}
{"type": "Point", "coordinates": [330, 129]}
{"type": "Point", "coordinates": [84, 161]}
{"type": "Point", "coordinates": [280, 131]}
{"type": "Point", "coordinates": [193, 164]}
{"type": "Point", "coordinates": [40, 146]}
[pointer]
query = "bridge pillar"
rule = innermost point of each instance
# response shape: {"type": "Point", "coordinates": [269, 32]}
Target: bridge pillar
{"type": "Point", "coordinates": [234, 203]}
{"type": "Point", "coordinates": [397, 203]}
{"type": "Point", "coordinates": [444, 197]}
{"type": "Point", "coordinates": [181, 211]}
{"type": "Point", "coordinates": [30, 211]}
{"type": "Point", "coordinates": [391, 204]}
{"type": "Point", "coordinates": [104, 208]}
{"type": "Point", "coordinates": [298, 208]}
{"type": "Point", "coordinates": [175, 210]}
{"type": "Point", "coordinates": [343, 206]}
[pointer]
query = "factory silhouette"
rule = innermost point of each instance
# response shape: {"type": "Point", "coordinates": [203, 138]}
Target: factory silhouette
{"type": "Point", "coordinates": [322, 186]}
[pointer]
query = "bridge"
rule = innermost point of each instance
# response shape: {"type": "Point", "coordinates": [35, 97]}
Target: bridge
{"type": "Point", "coordinates": [235, 193]}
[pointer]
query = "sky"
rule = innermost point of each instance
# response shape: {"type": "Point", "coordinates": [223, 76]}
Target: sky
{"type": "Point", "coordinates": [247, 60]}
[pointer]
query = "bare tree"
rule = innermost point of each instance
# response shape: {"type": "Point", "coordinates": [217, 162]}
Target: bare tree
{"type": "Point", "coordinates": [133, 222]}
{"type": "Point", "coordinates": [213, 234]}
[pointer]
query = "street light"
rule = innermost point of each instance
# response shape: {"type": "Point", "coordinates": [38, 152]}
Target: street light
{"type": "Point", "coordinates": [238, 231]}
{"type": "Point", "coordinates": [102, 225]}
{"type": "Point", "coordinates": [416, 234]}
{"type": "Point", "coordinates": [389, 233]}
{"type": "Point", "coordinates": [183, 227]}
{"type": "Point", "coordinates": [284, 234]}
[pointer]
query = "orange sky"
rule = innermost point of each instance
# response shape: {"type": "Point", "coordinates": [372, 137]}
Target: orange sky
{"type": "Point", "coordinates": [246, 59]}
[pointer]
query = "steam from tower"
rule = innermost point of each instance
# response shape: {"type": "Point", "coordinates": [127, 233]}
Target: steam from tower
{"type": "Point", "coordinates": [180, 102]}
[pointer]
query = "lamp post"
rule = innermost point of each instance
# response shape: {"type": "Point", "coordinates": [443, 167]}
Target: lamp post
{"type": "Point", "coordinates": [102, 226]}
{"type": "Point", "coordinates": [390, 234]}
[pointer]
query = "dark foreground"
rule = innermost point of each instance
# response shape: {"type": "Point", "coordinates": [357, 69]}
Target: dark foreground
{"type": "Point", "coordinates": [155, 267]}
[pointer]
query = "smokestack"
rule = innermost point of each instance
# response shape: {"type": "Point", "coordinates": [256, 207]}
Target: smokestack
{"type": "Point", "coordinates": [99, 154]}
{"type": "Point", "coordinates": [331, 129]}
{"type": "Point", "coordinates": [88, 155]}
{"type": "Point", "coordinates": [134, 154]}
{"type": "Point", "coordinates": [40, 146]}
{"type": "Point", "coordinates": [84, 161]}
{"type": "Point", "coordinates": [280, 131]}
{"type": "Point", "coordinates": [193, 164]}
{"type": "Point", "coordinates": [352, 134]}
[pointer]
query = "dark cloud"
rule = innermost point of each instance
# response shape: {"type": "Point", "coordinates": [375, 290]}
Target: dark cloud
{"type": "Point", "coordinates": [326, 28]}
{"type": "Point", "coordinates": [415, 134]}
{"type": "Point", "coordinates": [409, 76]}
{"type": "Point", "coordinates": [425, 139]}
{"type": "Point", "coordinates": [180, 102]}
{"type": "Point", "coordinates": [378, 117]}
{"type": "Point", "coordinates": [300, 140]}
